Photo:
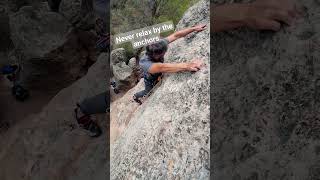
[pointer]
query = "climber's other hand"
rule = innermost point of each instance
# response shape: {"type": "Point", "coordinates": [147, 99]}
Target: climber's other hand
{"type": "Point", "coordinates": [200, 27]}
{"type": "Point", "coordinates": [195, 65]}
{"type": "Point", "coordinates": [269, 14]}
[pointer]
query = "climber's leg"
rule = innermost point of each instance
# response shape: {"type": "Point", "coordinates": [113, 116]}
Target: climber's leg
{"type": "Point", "coordinates": [87, 123]}
{"type": "Point", "coordinates": [95, 105]}
{"type": "Point", "coordinates": [144, 92]}
{"type": "Point", "coordinates": [138, 95]}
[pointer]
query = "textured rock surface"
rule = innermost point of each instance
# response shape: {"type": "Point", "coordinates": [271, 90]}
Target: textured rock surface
{"type": "Point", "coordinates": [15, 5]}
{"type": "Point", "coordinates": [168, 135]}
{"type": "Point", "coordinates": [37, 31]}
{"type": "Point", "coordinates": [81, 13]}
{"type": "Point", "coordinates": [122, 72]}
{"type": "Point", "coordinates": [132, 62]}
{"type": "Point", "coordinates": [5, 40]}
{"type": "Point", "coordinates": [48, 49]}
{"type": "Point", "coordinates": [265, 101]}
{"type": "Point", "coordinates": [50, 146]}
{"type": "Point", "coordinates": [118, 55]}
{"type": "Point", "coordinates": [6, 43]}
{"type": "Point", "coordinates": [71, 10]}
{"type": "Point", "coordinates": [122, 110]}
{"type": "Point", "coordinates": [124, 75]}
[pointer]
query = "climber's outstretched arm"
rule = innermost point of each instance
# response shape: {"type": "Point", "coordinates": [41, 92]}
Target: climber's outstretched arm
{"type": "Point", "coordinates": [184, 32]}
{"type": "Point", "coordinates": [194, 65]}
{"type": "Point", "coordinates": [260, 14]}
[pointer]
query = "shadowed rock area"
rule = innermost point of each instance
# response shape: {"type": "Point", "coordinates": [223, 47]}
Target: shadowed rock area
{"type": "Point", "coordinates": [167, 137]}
{"type": "Point", "coordinates": [47, 44]}
{"type": "Point", "coordinates": [60, 66]}
{"type": "Point", "coordinates": [49, 145]}
{"type": "Point", "coordinates": [265, 101]}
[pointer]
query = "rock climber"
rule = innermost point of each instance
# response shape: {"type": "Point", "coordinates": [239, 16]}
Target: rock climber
{"type": "Point", "coordinates": [260, 14]}
{"type": "Point", "coordinates": [94, 105]}
{"type": "Point", "coordinates": [152, 63]}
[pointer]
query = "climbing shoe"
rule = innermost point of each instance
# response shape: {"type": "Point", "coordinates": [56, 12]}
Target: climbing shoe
{"type": "Point", "coordinates": [93, 129]}
{"type": "Point", "coordinates": [137, 100]}
{"type": "Point", "coordinates": [85, 122]}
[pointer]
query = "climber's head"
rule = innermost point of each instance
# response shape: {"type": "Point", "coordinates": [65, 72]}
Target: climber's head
{"type": "Point", "coordinates": [157, 50]}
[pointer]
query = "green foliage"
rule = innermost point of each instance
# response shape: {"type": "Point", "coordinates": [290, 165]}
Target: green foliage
{"type": "Point", "coordinates": [173, 10]}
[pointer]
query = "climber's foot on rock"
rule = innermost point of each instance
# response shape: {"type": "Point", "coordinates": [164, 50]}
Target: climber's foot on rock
{"type": "Point", "coordinates": [137, 100]}
{"type": "Point", "coordinates": [86, 123]}
{"type": "Point", "coordinates": [93, 129]}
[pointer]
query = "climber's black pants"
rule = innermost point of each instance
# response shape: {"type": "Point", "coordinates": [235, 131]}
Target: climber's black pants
{"type": "Point", "coordinates": [148, 88]}
{"type": "Point", "coordinates": [96, 104]}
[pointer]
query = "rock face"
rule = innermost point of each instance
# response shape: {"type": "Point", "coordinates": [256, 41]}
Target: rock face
{"type": "Point", "coordinates": [15, 5]}
{"type": "Point", "coordinates": [50, 145]}
{"type": "Point", "coordinates": [132, 63]}
{"type": "Point", "coordinates": [124, 74]}
{"type": "Point", "coordinates": [6, 43]}
{"type": "Point", "coordinates": [168, 137]}
{"type": "Point", "coordinates": [5, 40]}
{"type": "Point", "coordinates": [265, 101]}
{"type": "Point", "coordinates": [49, 49]}
{"type": "Point", "coordinates": [118, 55]}
{"type": "Point", "coordinates": [80, 13]}
{"type": "Point", "coordinates": [36, 32]}
{"type": "Point", "coordinates": [70, 10]}
{"type": "Point", "coordinates": [122, 110]}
